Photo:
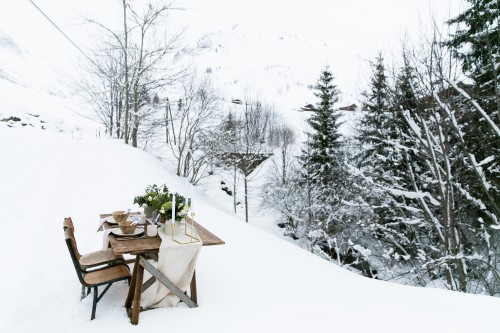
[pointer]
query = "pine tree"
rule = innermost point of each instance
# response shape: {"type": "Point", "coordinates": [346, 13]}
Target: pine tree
{"type": "Point", "coordinates": [477, 44]}
{"type": "Point", "coordinates": [383, 160]}
{"type": "Point", "coordinates": [374, 131]}
{"type": "Point", "coordinates": [376, 107]}
{"type": "Point", "coordinates": [324, 135]}
{"type": "Point", "coordinates": [323, 167]}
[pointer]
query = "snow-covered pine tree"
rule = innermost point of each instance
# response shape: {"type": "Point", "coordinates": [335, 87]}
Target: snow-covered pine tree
{"type": "Point", "coordinates": [323, 165]}
{"type": "Point", "coordinates": [382, 178]}
{"type": "Point", "coordinates": [457, 239]}
{"type": "Point", "coordinates": [477, 43]}
{"type": "Point", "coordinates": [325, 158]}
{"type": "Point", "coordinates": [373, 125]}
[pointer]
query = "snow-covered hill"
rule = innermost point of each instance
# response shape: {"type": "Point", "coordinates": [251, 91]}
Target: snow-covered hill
{"type": "Point", "coordinates": [274, 51]}
{"type": "Point", "coordinates": [37, 94]}
{"type": "Point", "coordinates": [256, 282]}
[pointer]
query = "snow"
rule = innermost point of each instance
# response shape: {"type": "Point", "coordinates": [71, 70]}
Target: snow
{"type": "Point", "coordinates": [54, 167]}
{"type": "Point", "coordinates": [256, 282]}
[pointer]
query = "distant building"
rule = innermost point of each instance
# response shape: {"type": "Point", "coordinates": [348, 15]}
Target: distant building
{"type": "Point", "coordinates": [310, 107]}
{"type": "Point", "coordinates": [352, 107]}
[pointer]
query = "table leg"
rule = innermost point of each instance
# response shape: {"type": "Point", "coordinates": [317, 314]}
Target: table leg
{"type": "Point", "coordinates": [136, 307]}
{"type": "Point", "coordinates": [194, 296]}
{"type": "Point", "coordinates": [167, 283]}
{"type": "Point", "coordinates": [131, 288]}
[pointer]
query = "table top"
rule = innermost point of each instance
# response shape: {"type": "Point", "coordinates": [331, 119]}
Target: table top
{"type": "Point", "coordinates": [150, 244]}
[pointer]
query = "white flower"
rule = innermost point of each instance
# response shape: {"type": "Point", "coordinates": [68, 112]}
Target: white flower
{"type": "Point", "coordinates": [150, 198]}
{"type": "Point", "coordinates": [144, 205]}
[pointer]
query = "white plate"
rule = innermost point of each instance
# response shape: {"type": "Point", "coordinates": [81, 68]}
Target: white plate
{"type": "Point", "coordinates": [119, 233]}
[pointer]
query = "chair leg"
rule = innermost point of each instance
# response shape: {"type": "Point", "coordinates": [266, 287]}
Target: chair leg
{"type": "Point", "coordinates": [83, 295]}
{"type": "Point", "coordinates": [94, 304]}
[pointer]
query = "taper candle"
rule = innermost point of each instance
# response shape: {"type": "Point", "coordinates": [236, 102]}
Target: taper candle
{"type": "Point", "coordinates": [173, 208]}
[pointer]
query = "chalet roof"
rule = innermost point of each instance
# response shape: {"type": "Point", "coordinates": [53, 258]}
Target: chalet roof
{"type": "Point", "coordinates": [352, 107]}
{"type": "Point", "coordinates": [308, 107]}
{"type": "Point", "coordinates": [246, 162]}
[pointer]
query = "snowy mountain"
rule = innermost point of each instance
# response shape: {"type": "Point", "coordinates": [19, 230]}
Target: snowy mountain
{"type": "Point", "coordinates": [274, 51]}
{"type": "Point", "coordinates": [36, 93]}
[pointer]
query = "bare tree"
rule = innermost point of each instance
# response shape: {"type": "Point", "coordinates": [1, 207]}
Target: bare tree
{"type": "Point", "coordinates": [139, 51]}
{"type": "Point", "coordinates": [282, 137]}
{"type": "Point", "coordinates": [196, 119]}
{"type": "Point", "coordinates": [249, 147]}
{"type": "Point", "coordinates": [102, 90]}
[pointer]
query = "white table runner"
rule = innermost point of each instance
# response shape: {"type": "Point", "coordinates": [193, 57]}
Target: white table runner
{"type": "Point", "coordinates": [177, 262]}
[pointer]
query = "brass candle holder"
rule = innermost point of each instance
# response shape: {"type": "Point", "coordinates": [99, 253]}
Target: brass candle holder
{"type": "Point", "coordinates": [192, 239]}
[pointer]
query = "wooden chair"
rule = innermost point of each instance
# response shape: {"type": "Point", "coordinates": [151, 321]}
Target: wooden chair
{"type": "Point", "coordinates": [99, 277]}
{"type": "Point", "coordinates": [92, 259]}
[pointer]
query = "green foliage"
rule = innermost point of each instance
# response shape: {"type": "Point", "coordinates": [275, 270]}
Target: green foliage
{"type": "Point", "coordinates": [160, 199]}
{"type": "Point", "coordinates": [181, 207]}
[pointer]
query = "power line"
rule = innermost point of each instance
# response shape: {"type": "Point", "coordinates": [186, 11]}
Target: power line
{"type": "Point", "coordinates": [62, 32]}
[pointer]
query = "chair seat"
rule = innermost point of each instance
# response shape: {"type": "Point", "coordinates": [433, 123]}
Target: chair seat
{"type": "Point", "coordinates": [107, 275]}
{"type": "Point", "coordinates": [99, 258]}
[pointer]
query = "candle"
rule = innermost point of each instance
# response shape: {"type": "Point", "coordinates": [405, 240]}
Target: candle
{"type": "Point", "coordinates": [191, 196]}
{"type": "Point", "coordinates": [173, 208]}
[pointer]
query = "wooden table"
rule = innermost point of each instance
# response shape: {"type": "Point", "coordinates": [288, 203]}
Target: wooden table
{"type": "Point", "coordinates": [147, 248]}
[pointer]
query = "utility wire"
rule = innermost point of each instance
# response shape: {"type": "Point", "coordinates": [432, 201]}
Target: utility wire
{"type": "Point", "coordinates": [69, 39]}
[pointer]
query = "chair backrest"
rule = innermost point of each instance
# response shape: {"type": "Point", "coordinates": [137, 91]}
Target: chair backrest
{"type": "Point", "coordinates": [70, 242]}
{"type": "Point", "coordinates": [69, 234]}
{"type": "Point", "coordinates": [68, 223]}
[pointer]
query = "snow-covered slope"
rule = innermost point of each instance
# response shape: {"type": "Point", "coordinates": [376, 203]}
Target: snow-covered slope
{"type": "Point", "coordinates": [254, 283]}
{"type": "Point", "coordinates": [37, 94]}
{"type": "Point", "coordinates": [272, 50]}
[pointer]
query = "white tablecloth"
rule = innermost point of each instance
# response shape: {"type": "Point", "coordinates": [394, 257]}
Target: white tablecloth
{"type": "Point", "coordinates": [177, 262]}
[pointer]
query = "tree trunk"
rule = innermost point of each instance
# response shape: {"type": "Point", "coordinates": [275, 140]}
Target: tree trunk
{"type": "Point", "coordinates": [125, 59]}
{"type": "Point", "coordinates": [283, 161]}
{"type": "Point", "coordinates": [246, 198]}
{"type": "Point", "coordinates": [234, 189]}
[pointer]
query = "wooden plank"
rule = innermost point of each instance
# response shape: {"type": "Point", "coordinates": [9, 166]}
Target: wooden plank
{"type": "Point", "coordinates": [148, 283]}
{"type": "Point", "coordinates": [167, 283]}
{"type": "Point", "coordinates": [135, 245]}
{"type": "Point", "coordinates": [206, 236]}
{"type": "Point", "coordinates": [153, 243]}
